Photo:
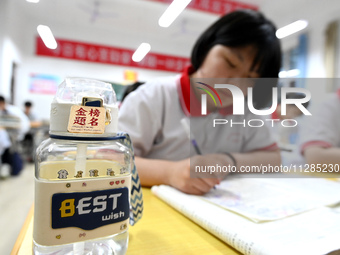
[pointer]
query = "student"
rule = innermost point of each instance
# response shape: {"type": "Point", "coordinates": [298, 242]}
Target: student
{"type": "Point", "coordinates": [28, 143]}
{"type": "Point", "coordinates": [320, 139]}
{"type": "Point", "coordinates": [13, 136]}
{"type": "Point", "coordinates": [241, 44]}
{"type": "Point", "coordinates": [28, 110]}
{"type": "Point", "coordinates": [8, 110]}
{"type": "Point", "coordinates": [5, 142]}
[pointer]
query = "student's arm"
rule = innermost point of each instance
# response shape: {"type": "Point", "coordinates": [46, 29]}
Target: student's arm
{"type": "Point", "coordinates": [177, 173]}
{"type": "Point", "coordinates": [319, 155]}
{"type": "Point", "coordinates": [173, 173]}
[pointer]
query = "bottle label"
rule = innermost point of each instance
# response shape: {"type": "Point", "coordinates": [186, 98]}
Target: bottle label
{"type": "Point", "coordinates": [80, 210]}
{"type": "Point", "coordinates": [90, 210]}
{"type": "Point", "coordinates": [87, 119]}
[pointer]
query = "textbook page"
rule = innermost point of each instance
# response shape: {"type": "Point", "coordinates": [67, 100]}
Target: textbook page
{"type": "Point", "coordinates": [266, 199]}
{"type": "Point", "coordinates": [314, 232]}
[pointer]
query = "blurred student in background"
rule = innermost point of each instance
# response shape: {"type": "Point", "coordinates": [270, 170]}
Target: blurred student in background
{"type": "Point", "coordinates": [241, 44]}
{"type": "Point", "coordinates": [5, 142]}
{"type": "Point", "coordinates": [28, 141]}
{"type": "Point", "coordinates": [16, 124]}
{"type": "Point", "coordinates": [28, 111]}
{"type": "Point", "coordinates": [10, 111]}
{"type": "Point", "coordinates": [320, 138]}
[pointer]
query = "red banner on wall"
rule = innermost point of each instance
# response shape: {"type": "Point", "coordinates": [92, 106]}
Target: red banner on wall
{"type": "Point", "coordinates": [216, 6]}
{"type": "Point", "coordinates": [110, 55]}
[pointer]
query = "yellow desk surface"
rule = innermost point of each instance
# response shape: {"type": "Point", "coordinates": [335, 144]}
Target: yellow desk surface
{"type": "Point", "coordinates": [162, 230]}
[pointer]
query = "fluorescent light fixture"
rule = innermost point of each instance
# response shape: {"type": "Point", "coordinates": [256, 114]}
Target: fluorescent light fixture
{"type": "Point", "coordinates": [141, 52]}
{"type": "Point", "coordinates": [289, 73]}
{"type": "Point", "coordinates": [33, 1]}
{"type": "Point", "coordinates": [291, 28]}
{"type": "Point", "coordinates": [283, 74]}
{"type": "Point", "coordinates": [172, 12]}
{"type": "Point", "coordinates": [47, 37]}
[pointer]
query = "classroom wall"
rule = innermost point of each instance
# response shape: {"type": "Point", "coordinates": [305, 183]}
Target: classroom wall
{"type": "Point", "coordinates": [6, 50]}
{"type": "Point", "coordinates": [2, 32]}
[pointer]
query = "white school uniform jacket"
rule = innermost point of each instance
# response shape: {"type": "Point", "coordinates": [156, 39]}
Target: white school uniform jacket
{"type": "Point", "coordinates": [5, 141]}
{"type": "Point", "coordinates": [323, 127]}
{"type": "Point", "coordinates": [15, 111]}
{"type": "Point", "coordinates": [152, 115]}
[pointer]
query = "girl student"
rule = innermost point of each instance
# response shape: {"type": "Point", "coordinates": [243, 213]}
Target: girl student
{"type": "Point", "coordinates": [241, 44]}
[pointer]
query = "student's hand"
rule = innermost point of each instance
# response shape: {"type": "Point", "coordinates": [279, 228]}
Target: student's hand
{"type": "Point", "coordinates": [200, 183]}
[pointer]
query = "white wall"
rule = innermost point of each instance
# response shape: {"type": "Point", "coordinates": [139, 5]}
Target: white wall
{"type": "Point", "coordinates": [8, 51]}
{"type": "Point", "coordinates": [3, 8]}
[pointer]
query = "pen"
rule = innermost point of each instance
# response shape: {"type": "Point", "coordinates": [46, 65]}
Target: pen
{"type": "Point", "coordinates": [185, 125]}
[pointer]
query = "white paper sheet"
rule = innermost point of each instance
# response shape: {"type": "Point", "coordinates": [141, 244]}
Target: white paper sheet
{"type": "Point", "coordinates": [266, 199]}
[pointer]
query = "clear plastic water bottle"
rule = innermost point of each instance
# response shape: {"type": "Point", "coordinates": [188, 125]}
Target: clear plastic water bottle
{"type": "Point", "coordinates": [83, 175]}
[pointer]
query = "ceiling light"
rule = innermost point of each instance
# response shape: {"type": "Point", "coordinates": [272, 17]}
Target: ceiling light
{"type": "Point", "coordinates": [289, 73]}
{"type": "Point", "coordinates": [172, 12]}
{"type": "Point", "coordinates": [33, 1]}
{"type": "Point", "coordinates": [291, 28]}
{"type": "Point", "coordinates": [141, 52]}
{"type": "Point", "coordinates": [47, 37]}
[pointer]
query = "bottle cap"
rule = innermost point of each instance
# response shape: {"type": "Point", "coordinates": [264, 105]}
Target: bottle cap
{"type": "Point", "coordinates": [84, 107]}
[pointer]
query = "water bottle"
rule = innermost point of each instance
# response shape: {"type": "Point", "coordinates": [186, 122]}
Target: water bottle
{"type": "Point", "coordinates": [83, 175]}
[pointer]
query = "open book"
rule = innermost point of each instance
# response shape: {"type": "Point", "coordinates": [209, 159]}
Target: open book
{"type": "Point", "coordinates": [267, 199]}
{"type": "Point", "coordinates": [312, 228]}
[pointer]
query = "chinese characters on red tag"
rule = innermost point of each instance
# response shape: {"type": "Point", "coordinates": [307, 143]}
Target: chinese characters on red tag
{"type": "Point", "coordinates": [85, 119]}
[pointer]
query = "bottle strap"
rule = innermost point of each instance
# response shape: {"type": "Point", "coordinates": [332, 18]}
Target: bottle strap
{"type": "Point", "coordinates": [136, 198]}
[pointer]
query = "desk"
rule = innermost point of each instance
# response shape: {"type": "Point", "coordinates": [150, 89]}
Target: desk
{"type": "Point", "coordinates": [162, 230]}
